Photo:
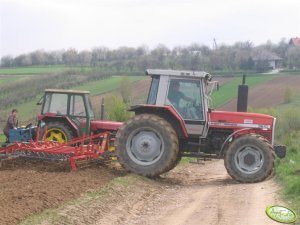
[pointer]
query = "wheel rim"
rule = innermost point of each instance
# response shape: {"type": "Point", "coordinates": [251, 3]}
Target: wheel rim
{"type": "Point", "coordinates": [56, 134]}
{"type": "Point", "coordinates": [145, 146]}
{"type": "Point", "coordinates": [249, 159]}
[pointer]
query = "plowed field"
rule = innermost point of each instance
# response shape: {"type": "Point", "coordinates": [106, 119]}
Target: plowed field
{"type": "Point", "coordinates": [270, 94]}
{"type": "Point", "coordinates": [29, 188]}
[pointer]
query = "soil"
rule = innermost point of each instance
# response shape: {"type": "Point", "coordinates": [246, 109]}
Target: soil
{"type": "Point", "coordinates": [28, 188]}
{"type": "Point", "coordinates": [269, 94]}
{"type": "Point", "coordinates": [190, 194]}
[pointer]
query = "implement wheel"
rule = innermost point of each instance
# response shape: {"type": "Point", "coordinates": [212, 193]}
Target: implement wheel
{"type": "Point", "coordinates": [58, 132]}
{"type": "Point", "coordinates": [147, 145]}
{"type": "Point", "coordinates": [249, 159]}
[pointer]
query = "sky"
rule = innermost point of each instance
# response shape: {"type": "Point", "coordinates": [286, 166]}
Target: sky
{"type": "Point", "coordinates": [28, 25]}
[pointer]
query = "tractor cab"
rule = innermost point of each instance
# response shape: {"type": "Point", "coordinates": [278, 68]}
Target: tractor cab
{"type": "Point", "coordinates": [185, 92]}
{"type": "Point", "coordinates": [68, 114]}
{"type": "Point", "coordinates": [68, 106]}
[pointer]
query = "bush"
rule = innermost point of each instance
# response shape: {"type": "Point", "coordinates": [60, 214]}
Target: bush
{"type": "Point", "coordinates": [126, 90]}
{"type": "Point", "coordinates": [288, 95]}
{"type": "Point", "coordinates": [117, 109]}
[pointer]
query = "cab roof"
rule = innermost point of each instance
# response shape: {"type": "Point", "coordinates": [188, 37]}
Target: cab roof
{"type": "Point", "coordinates": [66, 91]}
{"type": "Point", "coordinates": [179, 73]}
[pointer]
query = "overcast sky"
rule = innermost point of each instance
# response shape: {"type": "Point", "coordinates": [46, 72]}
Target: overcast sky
{"type": "Point", "coordinates": [27, 25]}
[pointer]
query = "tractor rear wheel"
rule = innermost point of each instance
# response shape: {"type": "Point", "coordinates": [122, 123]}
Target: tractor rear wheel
{"type": "Point", "coordinates": [59, 132]}
{"type": "Point", "coordinates": [147, 145]}
{"type": "Point", "coordinates": [249, 159]}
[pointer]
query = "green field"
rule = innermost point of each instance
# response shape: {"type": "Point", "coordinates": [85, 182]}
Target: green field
{"type": "Point", "coordinates": [9, 80]}
{"type": "Point", "coordinates": [230, 89]}
{"type": "Point", "coordinates": [102, 86]}
{"type": "Point", "coordinates": [29, 110]}
{"type": "Point", "coordinates": [43, 70]}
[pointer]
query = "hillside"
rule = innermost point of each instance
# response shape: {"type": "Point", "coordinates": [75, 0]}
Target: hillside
{"type": "Point", "coordinates": [13, 87]}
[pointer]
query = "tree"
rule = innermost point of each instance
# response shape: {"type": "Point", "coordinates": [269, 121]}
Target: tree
{"type": "Point", "coordinates": [293, 57]}
{"type": "Point", "coordinates": [85, 57]}
{"type": "Point", "coordinates": [70, 57]}
{"type": "Point", "coordinates": [7, 61]}
{"type": "Point", "coordinates": [38, 57]}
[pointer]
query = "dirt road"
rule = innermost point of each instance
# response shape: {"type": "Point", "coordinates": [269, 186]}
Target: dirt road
{"type": "Point", "coordinates": [190, 194]}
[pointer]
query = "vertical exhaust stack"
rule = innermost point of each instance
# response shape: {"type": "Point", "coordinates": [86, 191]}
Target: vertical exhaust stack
{"type": "Point", "coordinates": [242, 102]}
{"type": "Point", "coordinates": [102, 109]}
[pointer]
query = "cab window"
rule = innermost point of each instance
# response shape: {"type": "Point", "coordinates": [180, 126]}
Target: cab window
{"type": "Point", "coordinates": [77, 107]}
{"type": "Point", "coordinates": [56, 103]}
{"type": "Point", "coordinates": [185, 97]}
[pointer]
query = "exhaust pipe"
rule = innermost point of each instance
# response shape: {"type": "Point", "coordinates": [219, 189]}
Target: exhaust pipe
{"type": "Point", "coordinates": [242, 102]}
{"type": "Point", "coordinates": [102, 109]}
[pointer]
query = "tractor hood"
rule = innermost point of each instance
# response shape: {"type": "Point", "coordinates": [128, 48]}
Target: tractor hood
{"type": "Point", "coordinates": [238, 120]}
{"type": "Point", "coordinates": [105, 125]}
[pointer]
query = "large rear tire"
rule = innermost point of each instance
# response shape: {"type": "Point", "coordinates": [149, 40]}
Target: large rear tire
{"type": "Point", "coordinates": [250, 159]}
{"type": "Point", "coordinates": [147, 145]}
{"type": "Point", "coordinates": [58, 132]}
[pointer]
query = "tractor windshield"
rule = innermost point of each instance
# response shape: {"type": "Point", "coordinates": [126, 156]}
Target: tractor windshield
{"type": "Point", "coordinates": [185, 96]}
{"type": "Point", "coordinates": [56, 103]}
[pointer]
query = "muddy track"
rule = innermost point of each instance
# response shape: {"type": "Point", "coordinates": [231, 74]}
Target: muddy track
{"type": "Point", "coordinates": [190, 194]}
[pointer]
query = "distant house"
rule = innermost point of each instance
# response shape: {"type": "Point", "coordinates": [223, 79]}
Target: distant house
{"type": "Point", "coordinates": [295, 41]}
{"type": "Point", "coordinates": [267, 58]}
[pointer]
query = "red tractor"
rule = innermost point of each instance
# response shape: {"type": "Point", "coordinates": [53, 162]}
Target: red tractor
{"type": "Point", "coordinates": [68, 114]}
{"type": "Point", "coordinates": [177, 122]}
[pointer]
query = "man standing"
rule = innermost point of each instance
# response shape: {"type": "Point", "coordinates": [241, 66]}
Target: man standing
{"type": "Point", "coordinates": [12, 123]}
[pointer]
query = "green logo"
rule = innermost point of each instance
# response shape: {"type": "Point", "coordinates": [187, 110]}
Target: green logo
{"type": "Point", "coordinates": [281, 214]}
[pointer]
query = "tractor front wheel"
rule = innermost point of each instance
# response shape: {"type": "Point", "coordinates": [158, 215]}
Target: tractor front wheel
{"type": "Point", "coordinates": [147, 145]}
{"type": "Point", "coordinates": [58, 132]}
{"type": "Point", "coordinates": [249, 159]}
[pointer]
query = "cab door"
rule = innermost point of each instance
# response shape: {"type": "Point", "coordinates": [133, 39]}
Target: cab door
{"type": "Point", "coordinates": [78, 113]}
{"type": "Point", "coordinates": [186, 96]}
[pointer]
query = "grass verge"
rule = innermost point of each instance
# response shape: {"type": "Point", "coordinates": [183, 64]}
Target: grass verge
{"type": "Point", "coordinates": [288, 172]}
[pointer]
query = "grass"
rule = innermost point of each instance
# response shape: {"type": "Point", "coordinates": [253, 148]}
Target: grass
{"type": "Point", "coordinates": [230, 89]}
{"type": "Point", "coordinates": [8, 80]}
{"type": "Point", "coordinates": [288, 171]}
{"type": "Point", "coordinates": [288, 133]}
{"type": "Point", "coordinates": [42, 70]}
{"type": "Point", "coordinates": [102, 86]}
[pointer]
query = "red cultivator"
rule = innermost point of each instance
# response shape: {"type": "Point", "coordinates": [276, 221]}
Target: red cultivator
{"type": "Point", "coordinates": [76, 151]}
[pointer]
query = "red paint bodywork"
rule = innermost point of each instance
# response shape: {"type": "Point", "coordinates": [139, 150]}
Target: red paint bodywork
{"type": "Point", "coordinates": [160, 108]}
{"type": "Point", "coordinates": [105, 125]}
{"type": "Point", "coordinates": [257, 123]}
{"type": "Point", "coordinates": [55, 116]}
{"type": "Point", "coordinates": [239, 118]}
{"type": "Point", "coordinates": [94, 126]}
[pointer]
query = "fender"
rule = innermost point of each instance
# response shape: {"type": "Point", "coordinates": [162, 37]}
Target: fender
{"type": "Point", "coordinates": [229, 137]}
{"type": "Point", "coordinates": [176, 121]}
{"type": "Point", "coordinates": [54, 117]}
